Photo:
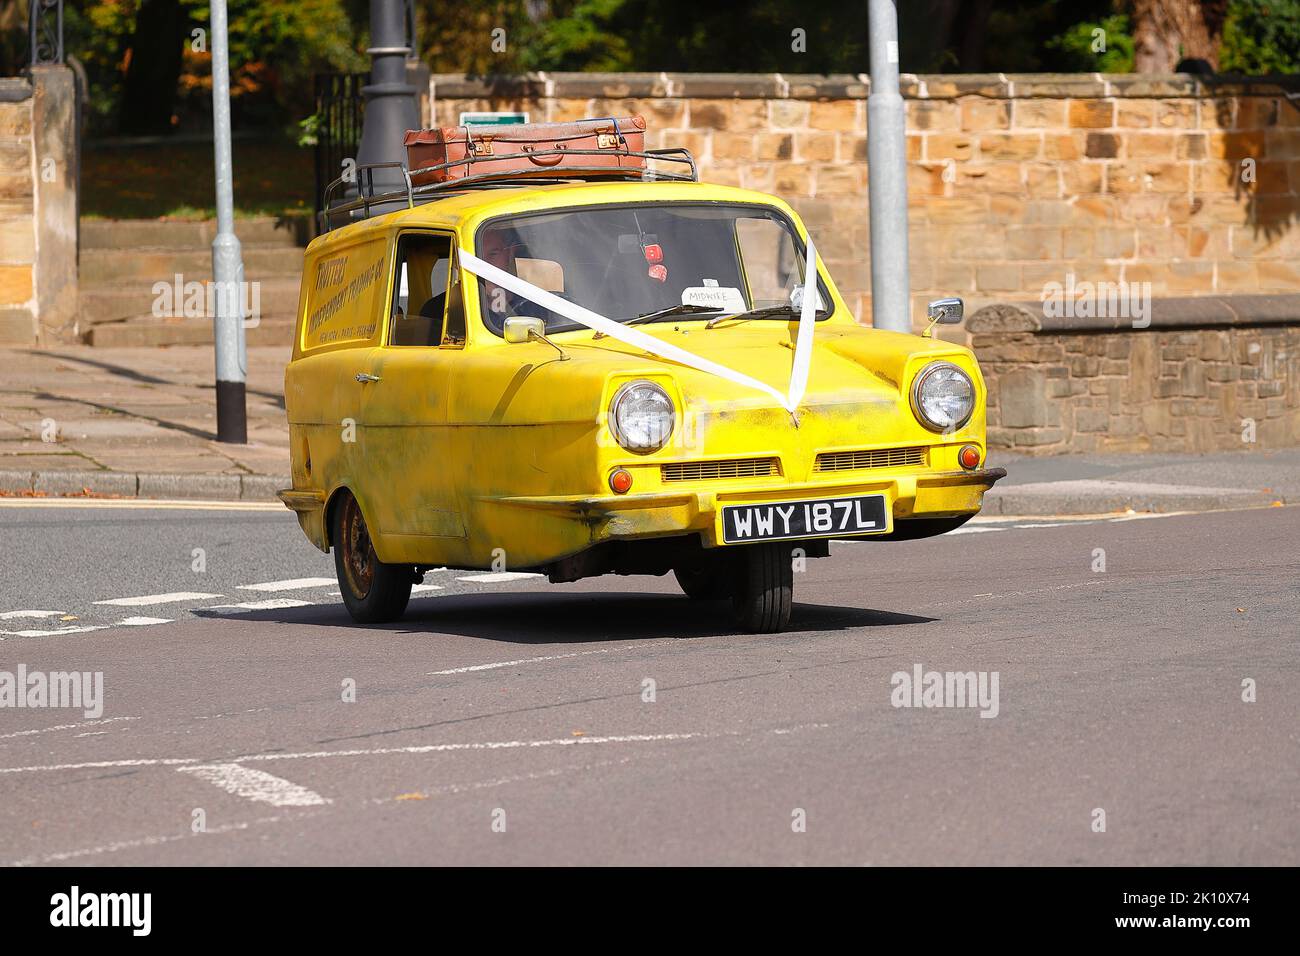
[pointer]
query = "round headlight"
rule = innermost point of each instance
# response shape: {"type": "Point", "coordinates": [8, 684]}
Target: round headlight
{"type": "Point", "coordinates": [641, 416]}
{"type": "Point", "coordinates": [943, 397]}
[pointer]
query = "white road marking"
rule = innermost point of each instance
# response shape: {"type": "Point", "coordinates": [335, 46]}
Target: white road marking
{"type": "Point", "coordinates": [107, 764]}
{"type": "Point", "coordinates": [270, 604]}
{"type": "Point", "coordinates": [13, 615]}
{"type": "Point", "coordinates": [143, 621]}
{"type": "Point", "coordinates": [369, 752]}
{"type": "Point", "coordinates": [146, 503]}
{"type": "Point", "coordinates": [970, 530]}
{"type": "Point", "coordinates": [256, 785]}
{"type": "Point", "coordinates": [526, 660]}
{"type": "Point", "coordinates": [290, 584]}
{"type": "Point", "coordinates": [77, 726]}
{"type": "Point", "coordinates": [1007, 594]}
{"type": "Point", "coordinates": [147, 841]}
{"type": "Point", "coordinates": [64, 630]}
{"type": "Point", "coordinates": [499, 577]}
{"type": "Point", "coordinates": [418, 588]}
{"type": "Point", "coordinates": [148, 599]}
{"type": "Point", "coordinates": [536, 660]}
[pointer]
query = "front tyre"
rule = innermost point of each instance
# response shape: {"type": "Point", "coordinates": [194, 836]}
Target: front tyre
{"type": "Point", "coordinates": [764, 588]}
{"type": "Point", "coordinates": [373, 591]}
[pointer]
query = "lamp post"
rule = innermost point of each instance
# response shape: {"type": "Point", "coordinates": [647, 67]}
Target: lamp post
{"type": "Point", "coordinates": [390, 101]}
{"type": "Point", "coordinates": [227, 260]}
{"type": "Point", "coordinates": [887, 174]}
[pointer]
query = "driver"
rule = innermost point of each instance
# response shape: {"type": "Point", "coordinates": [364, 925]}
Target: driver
{"type": "Point", "coordinates": [500, 248]}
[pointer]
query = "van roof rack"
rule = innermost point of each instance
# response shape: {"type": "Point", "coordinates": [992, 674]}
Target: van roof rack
{"type": "Point", "coordinates": [411, 195]}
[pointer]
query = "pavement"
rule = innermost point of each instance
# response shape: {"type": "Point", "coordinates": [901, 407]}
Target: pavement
{"type": "Point", "coordinates": [1143, 710]}
{"type": "Point", "coordinates": [141, 423]}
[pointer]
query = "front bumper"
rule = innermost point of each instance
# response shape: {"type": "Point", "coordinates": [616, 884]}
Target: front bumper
{"type": "Point", "coordinates": [629, 517]}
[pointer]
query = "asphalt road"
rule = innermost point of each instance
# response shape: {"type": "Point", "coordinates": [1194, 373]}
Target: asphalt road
{"type": "Point", "coordinates": [507, 720]}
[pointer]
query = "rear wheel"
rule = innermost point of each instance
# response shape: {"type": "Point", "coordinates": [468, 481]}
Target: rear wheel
{"type": "Point", "coordinates": [763, 592]}
{"type": "Point", "coordinates": [373, 591]}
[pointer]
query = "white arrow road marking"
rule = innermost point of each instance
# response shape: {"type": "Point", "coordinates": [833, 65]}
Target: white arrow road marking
{"type": "Point", "coordinates": [290, 584]}
{"type": "Point", "coordinates": [496, 577]}
{"type": "Point", "coordinates": [63, 630]}
{"type": "Point", "coordinates": [148, 599]}
{"type": "Point", "coordinates": [84, 628]}
{"type": "Point", "coordinates": [270, 604]}
{"type": "Point", "coordinates": [256, 785]}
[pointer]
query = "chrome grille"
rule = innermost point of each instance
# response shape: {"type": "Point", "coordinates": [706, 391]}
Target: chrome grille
{"type": "Point", "coordinates": [731, 468]}
{"type": "Point", "coordinates": [869, 458]}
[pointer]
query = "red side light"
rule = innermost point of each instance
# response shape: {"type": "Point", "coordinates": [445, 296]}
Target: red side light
{"type": "Point", "coordinates": [969, 457]}
{"type": "Point", "coordinates": [620, 481]}
{"type": "Point", "coordinates": [654, 253]}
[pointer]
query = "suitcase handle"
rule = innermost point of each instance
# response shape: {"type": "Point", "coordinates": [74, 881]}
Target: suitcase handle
{"type": "Point", "coordinates": [545, 160]}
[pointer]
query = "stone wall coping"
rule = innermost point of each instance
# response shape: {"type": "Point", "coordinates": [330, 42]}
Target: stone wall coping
{"type": "Point", "coordinates": [1173, 312]}
{"type": "Point", "coordinates": [813, 86]}
{"type": "Point", "coordinates": [14, 89]}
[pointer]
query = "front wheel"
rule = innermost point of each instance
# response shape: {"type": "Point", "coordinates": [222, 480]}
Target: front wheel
{"type": "Point", "coordinates": [764, 588]}
{"type": "Point", "coordinates": [710, 582]}
{"type": "Point", "coordinates": [373, 591]}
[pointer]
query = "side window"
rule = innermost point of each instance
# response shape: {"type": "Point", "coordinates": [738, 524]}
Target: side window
{"type": "Point", "coordinates": [769, 259]}
{"type": "Point", "coordinates": [774, 266]}
{"type": "Point", "coordinates": [426, 310]}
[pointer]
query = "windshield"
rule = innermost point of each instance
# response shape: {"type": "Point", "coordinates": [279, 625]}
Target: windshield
{"type": "Point", "coordinates": [648, 262]}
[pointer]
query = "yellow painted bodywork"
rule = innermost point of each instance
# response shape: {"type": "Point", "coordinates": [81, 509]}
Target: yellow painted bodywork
{"type": "Point", "coordinates": [482, 449]}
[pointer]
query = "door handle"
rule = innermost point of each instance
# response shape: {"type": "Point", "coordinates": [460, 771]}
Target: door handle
{"type": "Point", "coordinates": [364, 377]}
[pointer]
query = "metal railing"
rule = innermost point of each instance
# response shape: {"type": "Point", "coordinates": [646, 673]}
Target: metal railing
{"type": "Point", "coordinates": [45, 32]}
{"type": "Point", "coordinates": [411, 194]}
{"type": "Point", "coordinates": [339, 109]}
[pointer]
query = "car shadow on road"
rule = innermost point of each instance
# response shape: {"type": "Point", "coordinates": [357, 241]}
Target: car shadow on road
{"type": "Point", "coordinates": [578, 617]}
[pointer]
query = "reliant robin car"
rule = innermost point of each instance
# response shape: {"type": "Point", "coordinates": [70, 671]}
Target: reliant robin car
{"type": "Point", "coordinates": [608, 370]}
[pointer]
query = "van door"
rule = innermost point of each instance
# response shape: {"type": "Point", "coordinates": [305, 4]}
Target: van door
{"type": "Point", "coordinates": [343, 293]}
{"type": "Point", "coordinates": [404, 411]}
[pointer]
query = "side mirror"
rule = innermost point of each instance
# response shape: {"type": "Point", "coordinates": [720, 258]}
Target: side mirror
{"type": "Point", "coordinates": [523, 328]}
{"type": "Point", "coordinates": [945, 311]}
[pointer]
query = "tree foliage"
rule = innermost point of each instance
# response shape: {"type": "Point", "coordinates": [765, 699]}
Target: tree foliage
{"type": "Point", "coordinates": [276, 45]}
{"type": "Point", "coordinates": [1261, 36]}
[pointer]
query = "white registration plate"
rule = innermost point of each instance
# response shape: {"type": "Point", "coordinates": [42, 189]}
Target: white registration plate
{"type": "Point", "coordinates": [814, 518]}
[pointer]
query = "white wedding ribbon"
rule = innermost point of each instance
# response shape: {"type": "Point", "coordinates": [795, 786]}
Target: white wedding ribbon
{"type": "Point", "coordinates": [635, 337]}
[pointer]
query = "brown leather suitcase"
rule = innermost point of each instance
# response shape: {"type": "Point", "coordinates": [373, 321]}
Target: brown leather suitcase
{"type": "Point", "coordinates": [536, 149]}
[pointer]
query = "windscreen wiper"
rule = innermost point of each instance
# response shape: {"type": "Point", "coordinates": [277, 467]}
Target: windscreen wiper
{"type": "Point", "coordinates": [761, 314]}
{"type": "Point", "coordinates": [671, 312]}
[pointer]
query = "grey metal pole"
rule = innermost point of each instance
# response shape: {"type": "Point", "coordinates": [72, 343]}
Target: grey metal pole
{"type": "Point", "coordinates": [227, 261]}
{"type": "Point", "coordinates": [887, 174]}
{"type": "Point", "coordinates": [390, 100]}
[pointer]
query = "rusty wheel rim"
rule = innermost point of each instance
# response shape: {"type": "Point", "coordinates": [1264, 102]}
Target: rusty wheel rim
{"type": "Point", "coordinates": [358, 553]}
